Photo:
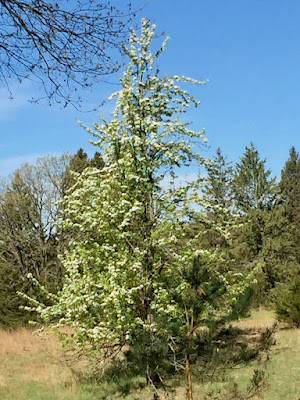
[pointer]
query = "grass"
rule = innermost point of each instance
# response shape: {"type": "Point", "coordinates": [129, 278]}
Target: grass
{"type": "Point", "coordinates": [31, 368]}
{"type": "Point", "coordinates": [282, 367]}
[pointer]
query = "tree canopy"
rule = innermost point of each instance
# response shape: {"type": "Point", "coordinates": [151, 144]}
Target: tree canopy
{"type": "Point", "coordinates": [134, 276]}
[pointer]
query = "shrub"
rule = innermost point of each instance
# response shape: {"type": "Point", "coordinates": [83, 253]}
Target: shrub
{"type": "Point", "coordinates": [287, 303]}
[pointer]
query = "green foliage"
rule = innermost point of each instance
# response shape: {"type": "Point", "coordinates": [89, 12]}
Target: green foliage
{"type": "Point", "coordinates": [217, 200]}
{"type": "Point", "coordinates": [254, 193]}
{"type": "Point", "coordinates": [97, 161]}
{"type": "Point", "coordinates": [28, 236]}
{"type": "Point", "coordinates": [253, 188]}
{"type": "Point", "coordinates": [232, 391]}
{"type": "Point", "coordinates": [287, 303]}
{"type": "Point", "coordinates": [134, 277]}
{"type": "Point", "coordinates": [217, 188]}
{"type": "Point", "coordinates": [290, 185]}
{"type": "Point", "coordinates": [77, 164]}
{"type": "Point", "coordinates": [281, 252]}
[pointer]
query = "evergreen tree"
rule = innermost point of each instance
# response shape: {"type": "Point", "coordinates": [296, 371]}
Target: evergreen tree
{"type": "Point", "coordinates": [290, 186]}
{"type": "Point", "coordinates": [281, 252]}
{"type": "Point", "coordinates": [218, 195]}
{"type": "Point", "coordinates": [222, 221]}
{"type": "Point", "coordinates": [97, 161]}
{"type": "Point", "coordinates": [77, 165]}
{"type": "Point", "coordinates": [287, 303]}
{"type": "Point", "coordinates": [254, 192]}
{"type": "Point", "coordinates": [218, 183]}
{"type": "Point", "coordinates": [253, 187]}
{"type": "Point", "coordinates": [217, 201]}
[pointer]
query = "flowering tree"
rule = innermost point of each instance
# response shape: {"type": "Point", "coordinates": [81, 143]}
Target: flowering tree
{"type": "Point", "coordinates": [135, 277]}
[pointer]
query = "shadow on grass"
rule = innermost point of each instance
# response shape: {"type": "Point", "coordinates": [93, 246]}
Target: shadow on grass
{"type": "Point", "coordinates": [117, 380]}
{"type": "Point", "coordinates": [213, 360]}
{"type": "Point", "coordinates": [231, 348]}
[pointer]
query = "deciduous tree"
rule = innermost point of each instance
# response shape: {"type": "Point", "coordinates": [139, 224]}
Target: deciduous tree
{"type": "Point", "coordinates": [28, 233]}
{"type": "Point", "coordinates": [62, 45]}
{"type": "Point", "coordinates": [129, 280]}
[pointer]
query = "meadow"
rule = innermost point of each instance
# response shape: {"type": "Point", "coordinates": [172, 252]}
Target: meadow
{"type": "Point", "coordinates": [34, 366]}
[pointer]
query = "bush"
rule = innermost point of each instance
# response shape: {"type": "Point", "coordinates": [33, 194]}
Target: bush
{"type": "Point", "coordinates": [287, 303]}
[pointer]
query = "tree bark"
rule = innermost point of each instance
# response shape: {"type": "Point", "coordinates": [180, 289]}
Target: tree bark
{"type": "Point", "coordinates": [188, 374]}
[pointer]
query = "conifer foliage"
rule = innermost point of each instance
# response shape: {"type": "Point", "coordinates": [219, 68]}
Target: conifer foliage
{"type": "Point", "coordinates": [254, 194]}
{"type": "Point", "coordinates": [281, 254]}
{"type": "Point", "coordinates": [252, 183]}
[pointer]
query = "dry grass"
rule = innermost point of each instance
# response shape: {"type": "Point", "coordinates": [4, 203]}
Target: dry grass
{"type": "Point", "coordinates": [31, 358]}
{"type": "Point", "coordinates": [24, 340]}
{"type": "Point", "coordinates": [31, 368]}
{"type": "Point", "coordinates": [259, 320]}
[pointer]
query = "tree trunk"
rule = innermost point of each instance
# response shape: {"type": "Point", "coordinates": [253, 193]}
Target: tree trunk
{"type": "Point", "coordinates": [188, 375]}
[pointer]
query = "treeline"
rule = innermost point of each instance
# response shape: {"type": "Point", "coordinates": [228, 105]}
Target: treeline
{"type": "Point", "coordinates": [30, 235]}
{"type": "Point", "coordinates": [260, 215]}
{"type": "Point", "coordinates": [264, 232]}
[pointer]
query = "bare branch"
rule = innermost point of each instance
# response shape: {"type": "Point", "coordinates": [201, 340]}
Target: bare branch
{"type": "Point", "coordinates": [62, 45]}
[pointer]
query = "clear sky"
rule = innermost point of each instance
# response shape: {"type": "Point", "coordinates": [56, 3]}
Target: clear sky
{"type": "Point", "coordinates": [248, 50]}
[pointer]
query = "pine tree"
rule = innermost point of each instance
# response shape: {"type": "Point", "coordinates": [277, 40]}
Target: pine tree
{"type": "Point", "coordinates": [282, 237]}
{"type": "Point", "coordinates": [218, 198]}
{"type": "Point", "coordinates": [254, 192]}
{"type": "Point", "coordinates": [254, 195]}
{"type": "Point", "coordinates": [218, 183]}
{"type": "Point", "coordinates": [97, 160]}
{"type": "Point", "coordinates": [77, 165]}
{"type": "Point", "coordinates": [290, 186]}
{"type": "Point", "coordinates": [253, 187]}
{"type": "Point", "coordinates": [282, 251]}
{"type": "Point", "coordinates": [217, 204]}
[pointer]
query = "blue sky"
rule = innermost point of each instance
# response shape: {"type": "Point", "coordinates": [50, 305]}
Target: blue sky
{"type": "Point", "coordinates": [248, 50]}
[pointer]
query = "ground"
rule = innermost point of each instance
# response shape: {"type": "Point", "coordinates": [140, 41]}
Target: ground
{"type": "Point", "coordinates": [33, 367]}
